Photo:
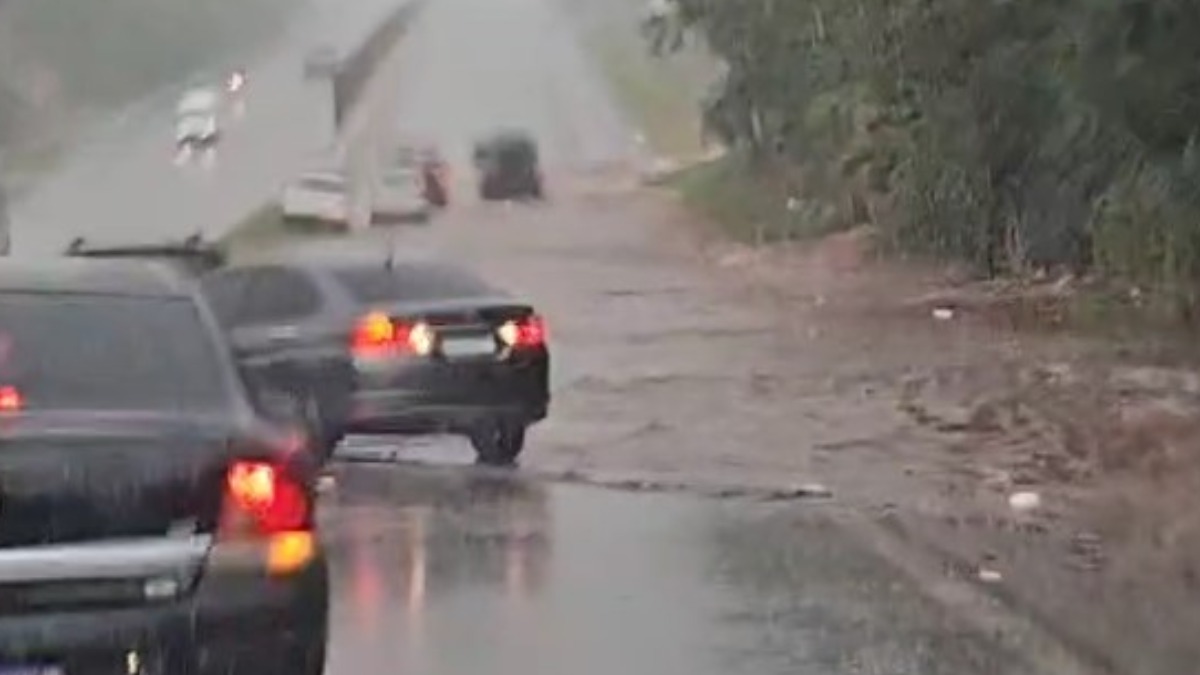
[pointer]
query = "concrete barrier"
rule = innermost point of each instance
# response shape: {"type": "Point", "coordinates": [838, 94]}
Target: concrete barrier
{"type": "Point", "coordinates": [356, 69]}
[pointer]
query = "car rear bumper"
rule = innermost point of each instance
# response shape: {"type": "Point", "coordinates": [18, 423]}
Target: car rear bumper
{"type": "Point", "coordinates": [394, 412]}
{"type": "Point", "coordinates": [230, 617]}
{"type": "Point", "coordinates": [425, 397]}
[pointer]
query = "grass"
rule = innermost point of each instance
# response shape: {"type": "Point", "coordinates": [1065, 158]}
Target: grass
{"type": "Point", "coordinates": [748, 206]}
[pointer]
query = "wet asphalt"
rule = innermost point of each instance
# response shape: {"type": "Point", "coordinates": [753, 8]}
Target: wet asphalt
{"type": "Point", "coordinates": [450, 571]}
{"type": "Point", "coordinates": [440, 568]}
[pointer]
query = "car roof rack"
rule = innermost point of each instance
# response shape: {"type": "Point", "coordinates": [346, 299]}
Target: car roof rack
{"type": "Point", "coordinates": [196, 253]}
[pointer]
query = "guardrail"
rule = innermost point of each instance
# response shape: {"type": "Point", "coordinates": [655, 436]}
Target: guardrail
{"type": "Point", "coordinates": [355, 70]}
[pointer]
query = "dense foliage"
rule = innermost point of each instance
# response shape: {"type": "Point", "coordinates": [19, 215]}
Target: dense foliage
{"type": "Point", "coordinates": [1012, 133]}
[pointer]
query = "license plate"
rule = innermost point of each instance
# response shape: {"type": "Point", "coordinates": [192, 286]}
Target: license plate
{"type": "Point", "coordinates": [30, 670]}
{"type": "Point", "coordinates": [465, 346]}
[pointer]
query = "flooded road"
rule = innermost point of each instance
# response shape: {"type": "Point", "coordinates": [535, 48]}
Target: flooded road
{"type": "Point", "coordinates": [453, 571]}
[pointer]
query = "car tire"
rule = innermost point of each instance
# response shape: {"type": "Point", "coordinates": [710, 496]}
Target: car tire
{"type": "Point", "coordinates": [498, 444]}
{"type": "Point", "coordinates": [306, 658]}
{"type": "Point", "coordinates": [295, 657]}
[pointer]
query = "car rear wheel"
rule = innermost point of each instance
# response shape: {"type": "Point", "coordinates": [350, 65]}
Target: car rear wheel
{"type": "Point", "coordinates": [498, 444]}
{"type": "Point", "coordinates": [303, 659]}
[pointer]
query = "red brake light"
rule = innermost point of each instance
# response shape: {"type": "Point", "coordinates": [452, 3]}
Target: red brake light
{"type": "Point", "coordinates": [377, 334]}
{"type": "Point", "coordinates": [260, 499]}
{"type": "Point", "coordinates": [10, 400]}
{"type": "Point", "coordinates": [524, 333]}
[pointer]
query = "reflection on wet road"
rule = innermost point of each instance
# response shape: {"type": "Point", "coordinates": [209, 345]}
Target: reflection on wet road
{"type": "Point", "coordinates": [450, 571]}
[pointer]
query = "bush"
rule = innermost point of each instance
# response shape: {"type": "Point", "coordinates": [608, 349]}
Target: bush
{"type": "Point", "coordinates": [1013, 134]}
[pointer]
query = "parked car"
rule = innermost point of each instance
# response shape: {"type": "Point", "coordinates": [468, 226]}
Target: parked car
{"type": "Point", "coordinates": [379, 345]}
{"type": "Point", "coordinates": [508, 167]}
{"type": "Point", "coordinates": [196, 119]}
{"type": "Point", "coordinates": [321, 197]}
{"type": "Point", "coordinates": [154, 519]}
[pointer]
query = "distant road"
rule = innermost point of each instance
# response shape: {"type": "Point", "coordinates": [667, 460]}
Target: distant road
{"type": "Point", "coordinates": [131, 185]}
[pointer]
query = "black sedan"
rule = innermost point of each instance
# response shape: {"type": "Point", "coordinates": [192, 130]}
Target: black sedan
{"type": "Point", "coordinates": [378, 345]}
{"type": "Point", "coordinates": [151, 520]}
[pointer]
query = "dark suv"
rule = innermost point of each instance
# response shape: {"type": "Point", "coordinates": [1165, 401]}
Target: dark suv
{"type": "Point", "coordinates": [151, 521]}
{"type": "Point", "coordinates": [508, 167]}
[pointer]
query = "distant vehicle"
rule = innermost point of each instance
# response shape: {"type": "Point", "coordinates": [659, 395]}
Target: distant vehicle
{"type": "Point", "coordinates": [321, 197]}
{"type": "Point", "coordinates": [399, 196]}
{"type": "Point", "coordinates": [384, 346]}
{"type": "Point", "coordinates": [431, 166]}
{"type": "Point", "coordinates": [322, 62]}
{"type": "Point", "coordinates": [236, 82]}
{"type": "Point", "coordinates": [182, 537]}
{"type": "Point", "coordinates": [5, 224]}
{"type": "Point", "coordinates": [196, 118]}
{"type": "Point", "coordinates": [508, 167]}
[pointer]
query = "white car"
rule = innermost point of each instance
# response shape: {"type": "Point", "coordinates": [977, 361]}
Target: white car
{"type": "Point", "coordinates": [319, 196]}
{"type": "Point", "coordinates": [399, 196]}
{"type": "Point", "coordinates": [196, 118]}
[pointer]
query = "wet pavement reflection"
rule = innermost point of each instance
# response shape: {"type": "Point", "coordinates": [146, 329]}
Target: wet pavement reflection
{"type": "Point", "coordinates": [454, 570]}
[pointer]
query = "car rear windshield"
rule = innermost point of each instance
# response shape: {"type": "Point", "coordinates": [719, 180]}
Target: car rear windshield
{"type": "Point", "coordinates": [409, 282]}
{"type": "Point", "coordinates": [323, 184]}
{"type": "Point", "coordinates": [96, 352]}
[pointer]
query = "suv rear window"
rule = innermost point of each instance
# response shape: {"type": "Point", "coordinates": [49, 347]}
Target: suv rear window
{"type": "Point", "coordinates": [95, 352]}
{"type": "Point", "coordinates": [408, 282]}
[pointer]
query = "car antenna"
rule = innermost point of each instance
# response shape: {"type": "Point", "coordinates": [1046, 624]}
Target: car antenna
{"type": "Point", "coordinates": [391, 256]}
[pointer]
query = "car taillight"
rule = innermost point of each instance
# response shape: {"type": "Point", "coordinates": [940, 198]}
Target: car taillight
{"type": "Point", "coordinates": [265, 506]}
{"type": "Point", "coordinates": [10, 400]}
{"type": "Point", "coordinates": [524, 333]}
{"type": "Point", "coordinates": [378, 335]}
{"type": "Point", "coordinates": [261, 499]}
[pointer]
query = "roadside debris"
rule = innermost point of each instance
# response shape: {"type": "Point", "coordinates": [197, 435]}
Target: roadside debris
{"type": "Point", "coordinates": [805, 491]}
{"type": "Point", "coordinates": [1024, 502]}
{"type": "Point", "coordinates": [990, 576]}
{"type": "Point", "coordinates": [943, 313]}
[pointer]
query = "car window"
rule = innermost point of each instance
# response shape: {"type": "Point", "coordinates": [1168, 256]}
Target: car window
{"type": "Point", "coordinates": [408, 282]}
{"type": "Point", "coordinates": [274, 295]}
{"type": "Point", "coordinates": [225, 292]}
{"type": "Point", "coordinates": [109, 353]}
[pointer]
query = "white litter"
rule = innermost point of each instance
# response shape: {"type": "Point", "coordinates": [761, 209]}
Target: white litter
{"type": "Point", "coordinates": [990, 576]}
{"type": "Point", "coordinates": [1024, 501]}
{"type": "Point", "coordinates": [943, 313]}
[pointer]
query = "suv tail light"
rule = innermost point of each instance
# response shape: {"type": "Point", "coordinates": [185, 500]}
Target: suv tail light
{"type": "Point", "coordinates": [523, 333]}
{"type": "Point", "coordinates": [10, 400]}
{"type": "Point", "coordinates": [379, 335]}
{"type": "Point", "coordinates": [264, 505]}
